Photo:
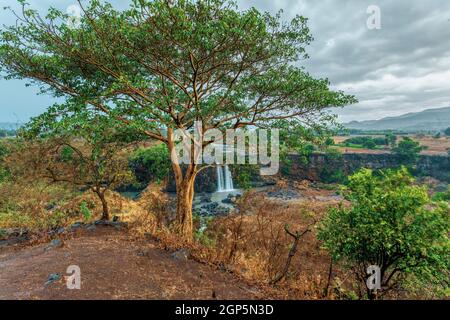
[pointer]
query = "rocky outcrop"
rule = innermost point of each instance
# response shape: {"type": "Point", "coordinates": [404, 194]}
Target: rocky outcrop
{"type": "Point", "coordinates": [323, 167]}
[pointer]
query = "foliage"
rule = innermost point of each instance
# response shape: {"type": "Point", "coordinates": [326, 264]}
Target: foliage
{"type": "Point", "coordinates": [4, 151]}
{"type": "Point", "coordinates": [447, 131]}
{"type": "Point", "coordinates": [301, 141]}
{"type": "Point", "coordinates": [202, 235]}
{"type": "Point", "coordinates": [151, 164]}
{"type": "Point", "coordinates": [332, 171]}
{"type": "Point", "coordinates": [442, 196]}
{"type": "Point", "coordinates": [369, 144]}
{"type": "Point", "coordinates": [87, 214]}
{"type": "Point", "coordinates": [245, 174]}
{"type": "Point", "coordinates": [33, 205]}
{"type": "Point", "coordinates": [391, 223]}
{"type": "Point", "coordinates": [408, 150]}
{"type": "Point", "coordinates": [366, 142]}
{"type": "Point", "coordinates": [329, 141]}
{"type": "Point", "coordinates": [391, 139]}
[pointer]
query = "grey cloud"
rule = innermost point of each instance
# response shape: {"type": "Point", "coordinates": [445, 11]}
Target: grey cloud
{"type": "Point", "coordinates": [403, 67]}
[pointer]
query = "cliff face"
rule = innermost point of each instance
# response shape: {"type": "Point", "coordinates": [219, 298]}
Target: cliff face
{"type": "Point", "coordinates": [321, 167]}
{"type": "Point", "coordinates": [207, 180]}
{"type": "Point", "coordinates": [325, 168]}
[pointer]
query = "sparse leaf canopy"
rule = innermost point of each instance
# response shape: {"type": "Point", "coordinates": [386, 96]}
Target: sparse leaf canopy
{"type": "Point", "coordinates": [165, 64]}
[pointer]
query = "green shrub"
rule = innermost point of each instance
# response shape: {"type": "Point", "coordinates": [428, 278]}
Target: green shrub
{"type": "Point", "coordinates": [245, 174]}
{"type": "Point", "coordinates": [408, 151]}
{"type": "Point", "coordinates": [391, 223]}
{"type": "Point", "coordinates": [442, 196]}
{"type": "Point", "coordinates": [86, 213]}
{"type": "Point", "coordinates": [369, 144]}
{"type": "Point", "coordinates": [151, 164]}
{"type": "Point", "coordinates": [4, 171]}
{"type": "Point", "coordinates": [366, 142]}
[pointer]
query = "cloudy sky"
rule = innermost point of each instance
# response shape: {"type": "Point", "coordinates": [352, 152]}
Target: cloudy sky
{"type": "Point", "coordinates": [402, 67]}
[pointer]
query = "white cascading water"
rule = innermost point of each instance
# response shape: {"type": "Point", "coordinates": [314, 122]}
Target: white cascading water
{"type": "Point", "coordinates": [224, 179]}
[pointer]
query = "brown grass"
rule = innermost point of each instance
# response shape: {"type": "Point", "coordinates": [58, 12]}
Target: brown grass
{"type": "Point", "coordinates": [435, 146]}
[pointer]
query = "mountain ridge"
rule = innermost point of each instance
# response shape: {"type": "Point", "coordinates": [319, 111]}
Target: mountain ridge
{"type": "Point", "coordinates": [437, 119]}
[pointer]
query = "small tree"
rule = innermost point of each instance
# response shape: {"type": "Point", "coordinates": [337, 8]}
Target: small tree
{"type": "Point", "coordinates": [392, 224]}
{"type": "Point", "coordinates": [391, 139]}
{"type": "Point", "coordinates": [408, 150]}
{"type": "Point", "coordinates": [447, 131]}
{"type": "Point", "coordinates": [369, 144]}
{"type": "Point", "coordinates": [89, 157]}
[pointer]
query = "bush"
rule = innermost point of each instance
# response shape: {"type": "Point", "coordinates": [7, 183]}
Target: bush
{"type": "Point", "coordinates": [393, 224]}
{"type": "Point", "coordinates": [366, 142]}
{"type": "Point", "coordinates": [408, 151]}
{"type": "Point", "coordinates": [245, 174]}
{"type": "Point", "coordinates": [369, 144]}
{"type": "Point", "coordinates": [4, 172]}
{"type": "Point", "coordinates": [442, 196]}
{"type": "Point", "coordinates": [34, 206]}
{"type": "Point", "coordinates": [332, 170]}
{"type": "Point", "coordinates": [151, 164]}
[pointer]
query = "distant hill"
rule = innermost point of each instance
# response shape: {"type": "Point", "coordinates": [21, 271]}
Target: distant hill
{"type": "Point", "coordinates": [427, 120]}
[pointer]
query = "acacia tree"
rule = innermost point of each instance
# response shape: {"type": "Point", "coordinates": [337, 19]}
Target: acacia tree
{"type": "Point", "coordinates": [166, 64]}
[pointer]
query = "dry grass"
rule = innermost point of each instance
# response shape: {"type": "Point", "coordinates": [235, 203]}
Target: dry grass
{"type": "Point", "coordinates": [435, 146]}
{"type": "Point", "coordinates": [251, 243]}
{"type": "Point", "coordinates": [39, 207]}
{"type": "Point", "coordinates": [255, 245]}
{"type": "Point", "coordinates": [29, 206]}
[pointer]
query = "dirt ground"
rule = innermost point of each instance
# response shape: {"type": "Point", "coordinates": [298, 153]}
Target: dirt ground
{"type": "Point", "coordinates": [113, 266]}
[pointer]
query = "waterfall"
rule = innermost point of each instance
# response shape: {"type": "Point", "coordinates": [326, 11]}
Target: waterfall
{"type": "Point", "coordinates": [220, 186]}
{"type": "Point", "coordinates": [224, 179]}
{"type": "Point", "coordinates": [228, 179]}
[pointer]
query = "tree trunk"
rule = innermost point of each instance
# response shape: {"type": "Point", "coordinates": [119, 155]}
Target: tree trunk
{"type": "Point", "coordinates": [185, 191]}
{"type": "Point", "coordinates": [185, 197]}
{"type": "Point", "coordinates": [105, 212]}
{"type": "Point", "coordinates": [330, 276]}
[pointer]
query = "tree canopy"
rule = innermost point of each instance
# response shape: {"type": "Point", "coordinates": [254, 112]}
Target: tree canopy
{"type": "Point", "coordinates": [163, 63]}
{"type": "Point", "coordinates": [408, 150]}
